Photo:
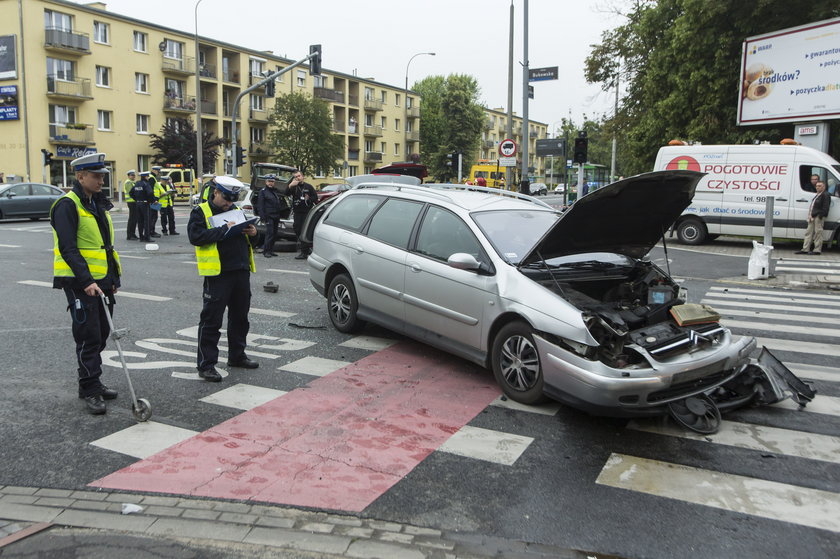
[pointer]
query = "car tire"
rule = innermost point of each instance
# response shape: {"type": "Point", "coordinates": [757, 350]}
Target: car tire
{"type": "Point", "coordinates": [691, 231]}
{"type": "Point", "coordinates": [342, 305]}
{"type": "Point", "coordinates": [516, 364]}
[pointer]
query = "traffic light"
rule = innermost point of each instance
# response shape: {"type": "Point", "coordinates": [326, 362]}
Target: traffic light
{"type": "Point", "coordinates": [315, 61]}
{"type": "Point", "coordinates": [581, 148]}
{"type": "Point", "coordinates": [269, 88]}
{"type": "Point", "coordinates": [240, 156]}
{"type": "Point", "coordinates": [47, 155]}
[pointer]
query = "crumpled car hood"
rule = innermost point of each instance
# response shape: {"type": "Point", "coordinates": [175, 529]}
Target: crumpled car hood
{"type": "Point", "coordinates": [626, 217]}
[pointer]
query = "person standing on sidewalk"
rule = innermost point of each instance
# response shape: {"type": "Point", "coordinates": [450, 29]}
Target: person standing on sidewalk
{"type": "Point", "coordinates": [167, 211]}
{"type": "Point", "coordinates": [270, 205]}
{"type": "Point", "coordinates": [226, 262]}
{"type": "Point", "coordinates": [86, 266]}
{"type": "Point", "coordinates": [817, 212]}
{"type": "Point", "coordinates": [304, 199]}
{"type": "Point", "coordinates": [131, 228]}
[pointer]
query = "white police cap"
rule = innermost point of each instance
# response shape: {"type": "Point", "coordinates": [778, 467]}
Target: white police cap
{"type": "Point", "coordinates": [228, 185]}
{"type": "Point", "coordinates": [93, 162]}
{"type": "Point", "coordinates": [131, 172]}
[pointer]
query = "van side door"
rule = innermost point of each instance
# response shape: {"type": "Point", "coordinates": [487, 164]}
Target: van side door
{"type": "Point", "coordinates": [804, 194]}
{"type": "Point", "coordinates": [751, 175]}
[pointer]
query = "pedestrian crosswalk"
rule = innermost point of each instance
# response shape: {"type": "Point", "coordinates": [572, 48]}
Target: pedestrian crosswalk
{"type": "Point", "coordinates": [802, 328]}
{"type": "Point", "coordinates": [807, 266]}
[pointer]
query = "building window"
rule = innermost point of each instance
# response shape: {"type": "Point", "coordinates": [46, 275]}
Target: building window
{"type": "Point", "coordinates": [141, 40]}
{"type": "Point", "coordinates": [257, 102]}
{"type": "Point", "coordinates": [141, 82]}
{"type": "Point", "coordinates": [257, 135]}
{"type": "Point", "coordinates": [409, 127]}
{"type": "Point", "coordinates": [144, 162]}
{"type": "Point", "coordinates": [352, 170]}
{"type": "Point", "coordinates": [101, 32]}
{"type": "Point", "coordinates": [382, 122]}
{"type": "Point", "coordinates": [368, 146]}
{"type": "Point", "coordinates": [174, 124]}
{"type": "Point", "coordinates": [58, 21]}
{"type": "Point", "coordinates": [396, 99]}
{"type": "Point", "coordinates": [396, 149]}
{"type": "Point", "coordinates": [384, 97]}
{"type": "Point", "coordinates": [336, 173]}
{"type": "Point", "coordinates": [60, 69]}
{"type": "Point", "coordinates": [397, 124]}
{"type": "Point", "coordinates": [103, 76]}
{"type": "Point", "coordinates": [175, 91]}
{"type": "Point", "coordinates": [369, 94]}
{"type": "Point", "coordinates": [103, 120]}
{"type": "Point", "coordinates": [282, 77]}
{"type": "Point", "coordinates": [62, 114]}
{"type": "Point", "coordinates": [173, 49]}
{"type": "Point", "coordinates": [408, 102]}
{"type": "Point", "coordinates": [368, 120]}
{"type": "Point", "coordinates": [319, 173]}
{"type": "Point", "coordinates": [382, 146]}
{"type": "Point", "coordinates": [257, 67]}
{"type": "Point", "coordinates": [320, 81]}
{"type": "Point", "coordinates": [301, 78]}
{"type": "Point", "coordinates": [142, 124]}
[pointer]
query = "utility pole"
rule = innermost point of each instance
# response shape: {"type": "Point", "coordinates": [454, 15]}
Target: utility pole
{"type": "Point", "coordinates": [509, 127]}
{"type": "Point", "coordinates": [525, 99]}
{"type": "Point", "coordinates": [615, 132]}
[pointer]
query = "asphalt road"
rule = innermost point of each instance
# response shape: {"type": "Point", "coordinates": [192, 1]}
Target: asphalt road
{"type": "Point", "coordinates": [556, 490]}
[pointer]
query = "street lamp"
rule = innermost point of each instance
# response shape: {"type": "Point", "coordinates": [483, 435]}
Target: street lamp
{"type": "Point", "coordinates": [405, 101]}
{"type": "Point", "coordinates": [199, 159]}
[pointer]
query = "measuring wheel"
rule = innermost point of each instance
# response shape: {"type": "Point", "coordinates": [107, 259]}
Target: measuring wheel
{"type": "Point", "coordinates": [141, 409]}
{"type": "Point", "coordinates": [698, 413]}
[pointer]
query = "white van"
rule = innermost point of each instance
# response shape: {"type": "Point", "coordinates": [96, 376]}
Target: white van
{"type": "Point", "coordinates": [731, 198]}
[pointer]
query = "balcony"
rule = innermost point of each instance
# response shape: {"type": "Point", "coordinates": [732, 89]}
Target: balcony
{"type": "Point", "coordinates": [181, 66]}
{"type": "Point", "coordinates": [373, 157]}
{"type": "Point", "coordinates": [66, 41]}
{"type": "Point", "coordinates": [78, 89]}
{"type": "Point", "coordinates": [373, 130]}
{"type": "Point", "coordinates": [338, 126]}
{"type": "Point", "coordinates": [489, 144]}
{"type": "Point", "coordinates": [208, 107]}
{"type": "Point", "coordinates": [207, 71]}
{"type": "Point", "coordinates": [353, 100]}
{"type": "Point", "coordinates": [412, 136]}
{"type": "Point", "coordinates": [230, 76]}
{"type": "Point", "coordinates": [176, 104]}
{"type": "Point", "coordinates": [333, 95]}
{"type": "Point", "coordinates": [353, 127]}
{"type": "Point", "coordinates": [258, 115]}
{"type": "Point", "coordinates": [71, 133]}
{"type": "Point", "coordinates": [533, 134]}
{"type": "Point", "coordinates": [353, 154]}
{"type": "Point", "coordinates": [489, 124]}
{"type": "Point", "coordinates": [412, 112]}
{"type": "Point", "coordinates": [258, 148]}
{"type": "Point", "coordinates": [373, 105]}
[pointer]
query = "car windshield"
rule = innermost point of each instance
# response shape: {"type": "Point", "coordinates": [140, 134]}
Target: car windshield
{"type": "Point", "coordinates": [514, 232]}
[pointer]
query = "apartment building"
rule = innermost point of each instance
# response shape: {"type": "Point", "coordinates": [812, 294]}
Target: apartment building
{"type": "Point", "coordinates": [495, 130]}
{"type": "Point", "coordinates": [83, 79]}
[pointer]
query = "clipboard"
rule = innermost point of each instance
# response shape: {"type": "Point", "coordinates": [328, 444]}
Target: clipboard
{"type": "Point", "coordinates": [240, 227]}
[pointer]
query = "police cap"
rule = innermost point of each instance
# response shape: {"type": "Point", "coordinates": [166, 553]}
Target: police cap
{"type": "Point", "coordinates": [93, 162]}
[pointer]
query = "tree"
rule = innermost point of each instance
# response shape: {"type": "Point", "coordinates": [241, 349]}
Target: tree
{"type": "Point", "coordinates": [451, 120]}
{"type": "Point", "coordinates": [176, 144]}
{"type": "Point", "coordinates": [302, 135]}
{"type": "Point", "coordinates": [681, 60]}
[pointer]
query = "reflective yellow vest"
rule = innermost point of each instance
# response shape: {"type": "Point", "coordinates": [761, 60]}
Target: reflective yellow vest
{"type": "Point", "coordinates": [127, 186]}
{"type": "Point", "coordinates": [207, 256]}
{"type": "Point", "coordinates": [89, 241]}
{"type": "Point", "coordinates": [162, 194]}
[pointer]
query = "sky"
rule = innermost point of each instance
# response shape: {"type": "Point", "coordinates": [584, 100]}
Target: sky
{"type": "Point", "coordinates": [376, 39]}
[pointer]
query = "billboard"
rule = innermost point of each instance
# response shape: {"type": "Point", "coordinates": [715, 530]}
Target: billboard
{"type": "Point", "coordinates": [8, 102]}
{"type": "Point", "coordinates": [791, 75]}
{"type": "Point", "coordinates": [8, 58]}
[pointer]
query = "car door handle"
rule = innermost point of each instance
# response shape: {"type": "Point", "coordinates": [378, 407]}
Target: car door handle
{"type": "Point", "coordinates": [801, 199]}
{"type": "Point", "coordinates": [414, 267]}
{"type": "Point", "coordinates": [358, 249]}
{"type": "Point", "coordinates": [782, 199]}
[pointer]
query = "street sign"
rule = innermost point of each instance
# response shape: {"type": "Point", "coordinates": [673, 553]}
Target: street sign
{"type": "Point", "coordinates": [542, 74]}
{"type": "Point", "coordinates": [507, 162]}
{"type": "Point", "coordinates": [530, 92]}
{"type": "Point", "coordinates": [555, 146]}
{"type": "Point", "coordinates": [507, 148]}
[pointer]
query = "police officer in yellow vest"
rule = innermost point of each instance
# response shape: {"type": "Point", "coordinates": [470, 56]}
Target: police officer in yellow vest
{"type": "Point", "coordinates": [158, 190]}
{"type": "Point", "coordinates": [85, 266]}
{"type": "Point", "coordinates": [167, 212]}
{"type": "Point", "coordinates": [131, 228]}
{"type": "Point", "coordinates": [226, 263]}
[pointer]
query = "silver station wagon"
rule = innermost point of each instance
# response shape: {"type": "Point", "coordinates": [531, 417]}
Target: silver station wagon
{"type": "Point", "coordinates": [558, 305]}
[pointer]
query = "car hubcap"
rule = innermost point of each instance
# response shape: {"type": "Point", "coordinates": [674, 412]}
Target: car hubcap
{"type": "Point", "coordinates": [340, 304]}
{"type": "Point", "coordinates": [520, 364]}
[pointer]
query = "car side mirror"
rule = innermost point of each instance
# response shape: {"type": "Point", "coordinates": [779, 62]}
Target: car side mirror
{"type": "Point", "coordinates": [464, 261]}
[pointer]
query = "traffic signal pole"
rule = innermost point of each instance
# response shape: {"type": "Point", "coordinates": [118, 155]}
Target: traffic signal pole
{"type": "Point", "coordinates": [313, 54]}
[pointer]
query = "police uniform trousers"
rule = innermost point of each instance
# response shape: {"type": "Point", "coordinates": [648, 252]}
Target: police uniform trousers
{"type": "Point", "coordinates": [91, 331]}
{"type": "Point", "coordinates": [167, 219]}
{"type": "Point", "coordinates": [231, 290]}
{"type": "Point", "coordinates": [131, 228]}
{"type": "Point", "coordinates": [153, 219]}
{"type": "Point", "coordinates": [270, 233]}
{"type": "Point", "coordinates": [143, 219]}
{"type": "Point", "coordinates": [299, 219]}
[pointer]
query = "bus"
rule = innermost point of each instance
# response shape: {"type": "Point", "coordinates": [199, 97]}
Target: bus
{"type": "Point", "coordinates": [490, 170]}
{"type": "Point", "coordinates": [595, 176]}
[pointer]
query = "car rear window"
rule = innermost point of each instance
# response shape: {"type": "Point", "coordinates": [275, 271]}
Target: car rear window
{"type": "Point", "coordinates": [394, 221]}
{"type": "Point", "coordinates": [351, 212]}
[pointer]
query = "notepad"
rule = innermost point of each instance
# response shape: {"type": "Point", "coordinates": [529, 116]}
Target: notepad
{"type": "Point", "coordinates": [692, 313]}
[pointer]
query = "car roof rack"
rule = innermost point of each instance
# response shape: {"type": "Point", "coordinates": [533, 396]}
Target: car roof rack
{"type": "Point", "coordinates": [488, 190]}
{"type": "Point", "coordinates": [434, 190]}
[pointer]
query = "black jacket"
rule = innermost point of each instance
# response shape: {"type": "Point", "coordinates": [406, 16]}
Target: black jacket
{"type": "Point", "coordinates": [270, 203]}
{"type": "Point", "coordinates": [233, 251]}
{"type": "Point", "coordinates": [822, 203]}
{"type": "Point", "coordinates": [143, 191]}
{"type": "Point", "coordinates": [65, 222]}
{"type": "Point", "coordinates": [303, 197]}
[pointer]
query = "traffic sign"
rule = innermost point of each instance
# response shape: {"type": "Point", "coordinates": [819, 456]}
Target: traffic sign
{"type": "Point", "coordinates": [507, 162]}
{"type": "Point", "coordinates": [507, 148]}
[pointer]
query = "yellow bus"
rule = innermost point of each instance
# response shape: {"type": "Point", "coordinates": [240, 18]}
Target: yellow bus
{"type": "Point", "coordinates": [490, 171]}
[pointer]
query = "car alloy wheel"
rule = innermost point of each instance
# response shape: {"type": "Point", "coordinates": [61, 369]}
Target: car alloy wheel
{"type": "Point", "coordinates": [342, 305]}
{"type": "Point", "coordinates": [516, 364]}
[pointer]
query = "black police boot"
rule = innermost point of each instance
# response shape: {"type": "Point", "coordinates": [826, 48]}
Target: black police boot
{"type": "Point", "coordinates": [210, 375]}
{"type": "Point", "coordinates": [243, 362]}
{"type": "Point", "coordinates": [95, 404]}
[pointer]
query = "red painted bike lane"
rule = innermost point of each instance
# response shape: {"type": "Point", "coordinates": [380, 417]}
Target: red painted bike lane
{"type": "Point", "coordinates": [338, 443]}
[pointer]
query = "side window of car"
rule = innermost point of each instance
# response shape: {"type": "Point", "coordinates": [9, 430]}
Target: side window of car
{"type": "Point", "coordinates": [19, 190]}
{"type": "Point", "coordinates": [351, 212]}
{"type": "Point", "coordinates": [43, 190]}
{"type": "Point", "coordinates": [443, 233]}
{"type": "Point", "coordinates": [394, 221]}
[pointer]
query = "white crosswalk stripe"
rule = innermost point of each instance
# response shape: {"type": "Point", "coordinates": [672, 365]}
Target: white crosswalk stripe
{"type": "Point", "coordinates": [804, 323]}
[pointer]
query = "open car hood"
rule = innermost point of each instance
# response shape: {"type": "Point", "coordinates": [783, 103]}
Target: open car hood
{"type": "Point", "coordinates": [626, 217]}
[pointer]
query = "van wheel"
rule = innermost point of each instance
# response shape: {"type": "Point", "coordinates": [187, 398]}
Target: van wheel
{"type": "Point", "coordinates": [691, 231]}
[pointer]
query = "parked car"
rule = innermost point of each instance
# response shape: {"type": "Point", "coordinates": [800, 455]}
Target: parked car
{"type": "Point", "coordinates": [539, 189]}
{"type": "Point", "coordinates": [560, 305]}
{"type": "Point", "coordinates": [330, 190]}
{"type": "Point", "coordinates": [27, 199]}
{"type": "Point", "coordinates": [560, 189]}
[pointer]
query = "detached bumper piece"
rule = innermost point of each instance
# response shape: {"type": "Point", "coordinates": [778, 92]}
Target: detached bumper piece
{"type": "Point", "coordinates": [762, 382]}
